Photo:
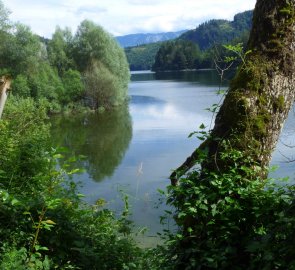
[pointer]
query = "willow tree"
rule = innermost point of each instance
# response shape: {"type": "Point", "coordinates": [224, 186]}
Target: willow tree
{"type": "Point", "coordinates": [229, 215]}
{"type": "Point", "coordinates": [260, 96]}
{"type": "Point", "coordinates": [103, 63]}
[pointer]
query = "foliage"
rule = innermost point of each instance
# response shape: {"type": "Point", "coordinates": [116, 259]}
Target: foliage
{"type": "Point", "coordinates": [103, 63]}
{"type": "Point", "coordinates": [177, 55]}
{"type": "Point", "coordinates": [21, 51]}
{"type": "Point", "coordinates": [232, 219]}
{"type": "Point", "coordinates": [142, 57]}
{"type": "Point", "coordinates": [44, 223]}
{"type": "Point", "coordinates": [73, 86]}
{"type": "Point", "coordinates": [229, 215]}
{"type": "Point", "coordinates": [59, 69]}
{"type": "Point", "coordinates": [59, 50]}
{"type": "Point", "coordinates": [220, 31]}
{"type": "Point", "coordinates": [102, 87]}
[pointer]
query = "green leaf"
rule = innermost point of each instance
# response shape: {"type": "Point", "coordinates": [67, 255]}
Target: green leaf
{"type": "Point", "coordinates": [15, 202]}
{"type": "Point", "coordinates": [50, 222]}
{"type": "Point", "coordinates": [202, 126]}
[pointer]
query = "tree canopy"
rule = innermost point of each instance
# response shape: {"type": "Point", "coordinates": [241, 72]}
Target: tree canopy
{"type": "Point", "coordinates": [177, 55]}
{"type": "Point", "coordinates": [45, 68]}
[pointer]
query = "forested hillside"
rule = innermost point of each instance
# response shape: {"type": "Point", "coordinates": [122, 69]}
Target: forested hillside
{"type": "Point", "coordinates": [142, 57]}
{"type": "Point", "coordinates": [205, 36]}
{"type": "Point", "coordinates": [146, 38]}
{"type": "Point", "coordinates": [177, 55]}
{"type": "Point", "coordinates": [220, 31]}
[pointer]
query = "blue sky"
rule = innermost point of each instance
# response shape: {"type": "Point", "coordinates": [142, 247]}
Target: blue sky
{"type": "Point", "coordinates": [121, 17]}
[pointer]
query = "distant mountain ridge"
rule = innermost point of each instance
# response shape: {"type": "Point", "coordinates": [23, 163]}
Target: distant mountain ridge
{"type": "Point", "coordinates": [208, 34]}
{"type": "Point", "coordinates": [218, 31]}
{"type": "Point", "coordinates": [146, 38]}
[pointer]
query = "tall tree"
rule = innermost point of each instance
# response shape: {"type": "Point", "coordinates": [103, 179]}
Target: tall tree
{"type": "Point", "coordinates": [20, 51]}
{"type": "Point", "coordinates": [103, 62]}
{"type": "Point", "coordinates": [260, 96]}
{"type": "Point", "coordinates": [229, 215]}
{"type": "Point", "coordinates": [59, 50]}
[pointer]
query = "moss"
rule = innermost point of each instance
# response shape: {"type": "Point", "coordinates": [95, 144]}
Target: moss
{"type": "Point", "coordinates": [279, 104]}
{"type": "Point", "coordinates": [286, 11]}
{"type": "Point", "coordinates": [276, 43]}
{"type": "Point", "coordinates": [251, 76]}
{"type": "Point", "coordinates": [242, 105]}
{"type": "Point", "coordinates": [261, 100]}
{"type": "Point", "coordinates": [259, 126]}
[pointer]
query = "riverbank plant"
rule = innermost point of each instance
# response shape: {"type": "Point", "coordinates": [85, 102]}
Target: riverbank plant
{"type": "Point", "coordinates": [232, 219]}
{"type": "Point", "coordinates": [44, 222]}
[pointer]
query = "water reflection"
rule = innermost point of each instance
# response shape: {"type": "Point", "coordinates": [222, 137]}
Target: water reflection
{"type": "Point", "coordinates": [207, 77]}
{"type": "Point", "coordinates": [139, 154]}
{"type": "Point", "coordinates": [164, 117]}
{"type": "Point", "coordinates": [102, 138]}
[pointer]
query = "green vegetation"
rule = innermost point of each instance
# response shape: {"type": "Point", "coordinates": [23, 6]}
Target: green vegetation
{"type": "Point", "coordinates": [67, 69]}
{"type": "Point", "coordinates": [220, 31]}
{"type": "Point", "coordinates": [142, 57]}
{"type": "Point", "coordinates": [44, 223]}
{"type": "Point", "coordinates": [231, 219]}
{"type": "Point", "coordinates": [208, 37]}
{"type": "Point", "coordinates": [177, 55]}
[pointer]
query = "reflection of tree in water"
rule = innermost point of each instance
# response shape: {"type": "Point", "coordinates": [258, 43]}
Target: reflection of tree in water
{"type": "Point", "coordinates": [206, 77]}
{"type": "Point", "coordinates": [102, 138]}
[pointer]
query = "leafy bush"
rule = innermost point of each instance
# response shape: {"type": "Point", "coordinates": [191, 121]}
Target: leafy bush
{"type": "Point", "coordinates": [232, 219]}
{"type": "Point", "coordinates": [44, 223]}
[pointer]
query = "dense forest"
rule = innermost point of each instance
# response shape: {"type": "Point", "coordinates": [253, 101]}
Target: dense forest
{"type": "Point", "coordinates": [177, 55]}
{"type": "Point", "coordinates": [207, 37]}
{"type": "Point", "coordinates": [142, 57]}
{"type": "Point", "coordinates": [65, 70]}
{"type": "Point", "coordinates": [220, 31]}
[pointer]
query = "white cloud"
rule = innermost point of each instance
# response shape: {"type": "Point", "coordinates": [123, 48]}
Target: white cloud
{"type": "Point", "coordinates": [122, 17]}
{"type": "Point", "coordinates": [90, 10]}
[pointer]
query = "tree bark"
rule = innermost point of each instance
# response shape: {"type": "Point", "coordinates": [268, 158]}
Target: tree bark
{"type": "Point", "coordinates": [260, 96]}
{"type": "Point", "coordinates": [4, 87]}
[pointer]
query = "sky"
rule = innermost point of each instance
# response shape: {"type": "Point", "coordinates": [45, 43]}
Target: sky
{"type": "Point", "coordinates": [122, 17]}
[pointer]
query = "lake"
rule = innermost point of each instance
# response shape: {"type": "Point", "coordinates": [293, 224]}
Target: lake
{"type": "Point", "coordinates": [133, 150]}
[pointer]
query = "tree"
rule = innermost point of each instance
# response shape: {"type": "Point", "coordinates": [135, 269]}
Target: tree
{"type": "Point", "coordinates": [4, 18]}
{"type": "Point", "coordinates": [177, 55]}
{"type": "Point", "coordinates": [59, 50]}
{"type": "Point", "coordinates": [230, 215]}
{"type": "Point", "coordinates": [103, 62]}
{"type": "Point", "coordinates": [73, 86]}
{"type": "Point", "coordinates": [262, 93]}
{"type": "Point", "coordinates": [20, 51]}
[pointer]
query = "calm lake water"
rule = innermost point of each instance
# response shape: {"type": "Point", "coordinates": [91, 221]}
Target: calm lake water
{"type": "Point", "coordinates": [133, 150]}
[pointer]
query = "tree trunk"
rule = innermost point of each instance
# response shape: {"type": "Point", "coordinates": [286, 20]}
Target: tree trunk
{"type": "Point", "coordinates": [260, 96]}
{"type": "Point", "coordinates": [4, 87]}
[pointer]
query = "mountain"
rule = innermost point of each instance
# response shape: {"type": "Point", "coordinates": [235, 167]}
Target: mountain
{"type": "Point", "coordinates": [205, 35]}
{"type": "Point", "coordinates": [221, 31]}
{"type": "Point", "coordinates": [140, 39]}
{"type": "Point", "coordinates": [142, 57]}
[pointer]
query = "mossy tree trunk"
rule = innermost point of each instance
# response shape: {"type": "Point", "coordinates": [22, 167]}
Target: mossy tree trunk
{"type": "Point", "coordinates": [260, 96]}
